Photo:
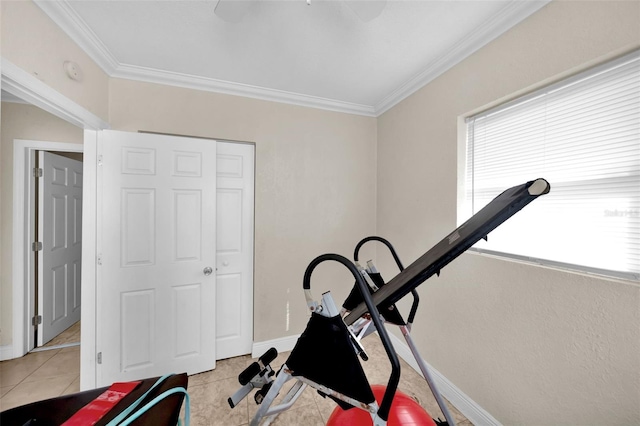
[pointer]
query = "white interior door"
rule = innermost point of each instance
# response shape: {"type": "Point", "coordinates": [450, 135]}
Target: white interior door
{"type": "Point", "coordinates": [60, 232]}
{"type": "Point", "coordinates": [234, 265]}
{"type": "Point", "coordinates": [156, 255]}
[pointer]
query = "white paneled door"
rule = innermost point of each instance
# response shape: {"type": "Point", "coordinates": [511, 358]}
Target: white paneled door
{"type": "Point", "coordinates": [234, 311]}
{"type": "Point", "coordinates": [156, 249]}
{"type": "Point", "coordinates": [60, 232]}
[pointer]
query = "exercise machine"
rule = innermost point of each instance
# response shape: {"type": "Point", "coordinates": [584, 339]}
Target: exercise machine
{"type": "Point", "coordinates": [325, 356]}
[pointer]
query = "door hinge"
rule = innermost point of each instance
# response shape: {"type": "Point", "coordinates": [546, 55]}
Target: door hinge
{"type": "Point", "coordinates": [37, 172]}
{"type": "Point", "coordinates": [99, 160]}
{"type": "Point", "coordinates": [99, 259]}
{"type": "Point", "coordinates": [36, 246]}
{"type": "Point", "coordinates": [99, 358]}
{"type": "Point", "coordinates": [37, 320]}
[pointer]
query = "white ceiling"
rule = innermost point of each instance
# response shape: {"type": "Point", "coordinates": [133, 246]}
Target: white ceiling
{"type": "Point", "coordinates": [320, 55]}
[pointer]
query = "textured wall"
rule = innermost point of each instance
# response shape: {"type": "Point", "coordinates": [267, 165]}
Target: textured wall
{"type": "Point", "coordinates": [531, 345]}
{"type": "Point", "coordinates": [34, 43]}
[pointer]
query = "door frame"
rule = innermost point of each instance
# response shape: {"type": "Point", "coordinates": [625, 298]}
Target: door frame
{"type": "Point", "coordinates": [24, 217]}
{"type": "Point", "coordinates": [22, 84]}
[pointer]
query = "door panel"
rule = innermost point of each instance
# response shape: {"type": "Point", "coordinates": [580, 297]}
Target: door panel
{"type": "Point", "coordinates": [187, 315]}
{"type": "Point", "coordinates": [234, 261]}
{"type": "Point", "coordinates": [156, 236]}
{"type": "Point", "coordinates": [59, 224]}
{"type": "Point", "coordinates": [187, 222]}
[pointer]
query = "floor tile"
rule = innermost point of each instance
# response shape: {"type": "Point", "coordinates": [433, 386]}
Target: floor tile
{"type": "Point", "coordinates": [70, 335]}
{"type": "Point", "coordinates": [16, 370]}
{"type": "Point", "coordinates": [301, 416]}
{"type": "Point", "coordinates": [4, 390]}
{"type": "Point", "coordinates": [209, 406]}
{"type": "Point", "coordinates": [73, 387]}
{"type": "Point", "coordinates": [28, 392]}
{"type": "Point", "coordinates": [225, 369]}
{"type": "Point", "coordinates": [58, 365]}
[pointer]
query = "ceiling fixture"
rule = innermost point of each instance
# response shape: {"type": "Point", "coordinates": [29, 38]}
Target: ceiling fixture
{"type": "Point", "coordinates": [234, 10]}
{"type": "Point", "coordinates": [366, 10]}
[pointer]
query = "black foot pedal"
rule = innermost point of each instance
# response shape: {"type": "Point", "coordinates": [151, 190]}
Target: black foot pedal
{"type": "Point", "coordinates": [249, 373]}
{"type": "Point", "coordinates": [268, 356]}
{"type": "Point", "coordinates": [259, 367]}
{"type": "Point", "coordinates": [257, 375]}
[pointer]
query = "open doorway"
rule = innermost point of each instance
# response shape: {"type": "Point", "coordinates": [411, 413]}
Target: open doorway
{"type": "Point", "coordinates": [57, 221]}
{"type": "Point", "coordinates": [16, 259]}
{"type": "Point", "coordinates": [47, 284]}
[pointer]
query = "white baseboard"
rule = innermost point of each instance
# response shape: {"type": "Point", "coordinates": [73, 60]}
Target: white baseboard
{"type": "Point", "coordinates": [6, 352]}
{"type": "Point", "coordinates": [468, 407]}
{"type": "Point", "coordinates": [281, 344]}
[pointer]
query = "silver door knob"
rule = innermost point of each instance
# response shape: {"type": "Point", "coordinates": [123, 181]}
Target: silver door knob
{"type": "Point", "coordinates": [208, 270]}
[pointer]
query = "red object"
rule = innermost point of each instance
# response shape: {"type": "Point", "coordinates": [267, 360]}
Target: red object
{"type": "Point", "coordinates": [404, 412]}
{"type": "Point", "coordinates": [96, 409]}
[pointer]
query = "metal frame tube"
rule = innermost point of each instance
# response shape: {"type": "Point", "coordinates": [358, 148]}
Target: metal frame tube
{"type": "Point", "coordinates": [425, 372]}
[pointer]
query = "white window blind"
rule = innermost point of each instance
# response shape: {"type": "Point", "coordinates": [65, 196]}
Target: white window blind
{"type": "Point", "coordinates": [582, 135]}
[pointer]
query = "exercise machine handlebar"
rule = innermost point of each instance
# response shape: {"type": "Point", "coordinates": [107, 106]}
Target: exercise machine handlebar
{"type": "Point", "coordinates": [414, 292]}
{"type": "Point", "coordinates": [356, 252]}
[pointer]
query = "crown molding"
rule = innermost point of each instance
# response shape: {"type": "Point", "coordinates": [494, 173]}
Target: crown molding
{"type": "Point", "coordinates": [74, 26]}
{"type": "Point", "coordinates": [23, 85]}
{"type": "Point", "coordinates": [151, 75]}
{"type": "Point", "coordinates": [512, 14]}
{"type": "Point", "coordinates": [12, 99]}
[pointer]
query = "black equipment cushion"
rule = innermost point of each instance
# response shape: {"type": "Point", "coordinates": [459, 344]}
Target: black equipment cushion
{"type": "Point", "coordinates": [325, 355]}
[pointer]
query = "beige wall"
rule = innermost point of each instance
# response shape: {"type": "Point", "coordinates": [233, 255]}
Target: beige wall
{"type": "Point", "coordinates": [315, 184]}
{"type": "Point", "coordinates": [20, 121]}
{"type": "Point", "coordinates": [30, 40]}
{"type": "Point", "coordinates": [530, 345]}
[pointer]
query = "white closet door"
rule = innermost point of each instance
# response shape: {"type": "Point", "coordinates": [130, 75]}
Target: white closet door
{"type": "Point", "coordinates": [156, 280]}
{"type": "Point", "coordinates": [234, 311]}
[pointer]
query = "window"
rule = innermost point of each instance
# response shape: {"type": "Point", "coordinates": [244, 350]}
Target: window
{"type": "Point", "coordinates": [582, 134]}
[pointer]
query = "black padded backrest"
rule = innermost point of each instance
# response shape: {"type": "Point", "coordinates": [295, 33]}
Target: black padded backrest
{"type": "Point", "coordinates": [453, 245]}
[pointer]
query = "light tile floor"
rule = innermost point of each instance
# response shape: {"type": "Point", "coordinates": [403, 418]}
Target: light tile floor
{"type": "Point", "coordinates": [69, 336]}
{"type": "Point", "coordinates": [47, 374]}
